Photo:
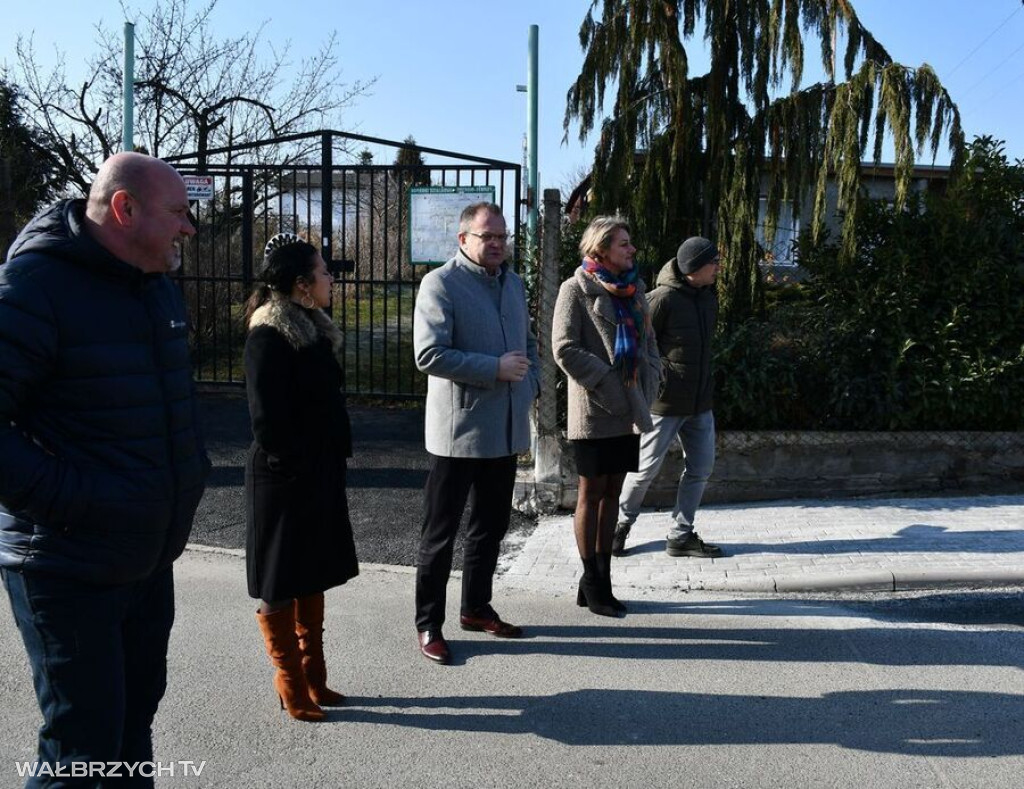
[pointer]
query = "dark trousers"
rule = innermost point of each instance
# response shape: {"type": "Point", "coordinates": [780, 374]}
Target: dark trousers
{"type": "Point", "coordinates": [488, 483]}
{"type": "Point", "coordinates": [99, 665]}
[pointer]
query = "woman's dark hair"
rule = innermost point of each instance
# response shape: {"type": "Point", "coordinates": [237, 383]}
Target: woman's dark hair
{"type": "Point", "coordinates": [287, 259]}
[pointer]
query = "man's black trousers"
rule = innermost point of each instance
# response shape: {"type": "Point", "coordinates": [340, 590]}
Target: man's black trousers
{"type": "Point", "coordinates": [488, 485]}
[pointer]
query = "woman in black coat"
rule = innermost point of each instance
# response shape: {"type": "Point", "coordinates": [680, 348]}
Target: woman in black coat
{"type": "Point", "coordinates": [299, 537]}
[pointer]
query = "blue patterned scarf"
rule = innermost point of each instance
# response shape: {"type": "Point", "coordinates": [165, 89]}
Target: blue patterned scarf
{"type": "Point", "coordinates": [630, 328]}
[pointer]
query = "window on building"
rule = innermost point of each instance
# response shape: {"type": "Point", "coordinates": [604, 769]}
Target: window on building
{"type": "Point", "coordinates": [780, 251]}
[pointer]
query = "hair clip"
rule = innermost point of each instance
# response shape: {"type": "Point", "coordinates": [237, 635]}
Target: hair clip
{"type": "Point", "coordinates": [280, 240]}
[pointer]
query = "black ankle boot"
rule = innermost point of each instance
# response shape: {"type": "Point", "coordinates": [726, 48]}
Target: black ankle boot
{"type": "Point", "coordinates": [592, 593]}
{"type": "Point", "coordinates": [619, 539]}
{"type": "Point", "coordinates": [604, 569]}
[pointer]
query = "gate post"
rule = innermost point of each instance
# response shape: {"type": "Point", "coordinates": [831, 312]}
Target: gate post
{"type": "Point", "coordinates": [547, 460]}
{"type": "Point", "coordinates": [248, 253]}
{"type": "Point", "coordinates": [327, 204]}
{"type": "Point", "coordinates": [8, 228]}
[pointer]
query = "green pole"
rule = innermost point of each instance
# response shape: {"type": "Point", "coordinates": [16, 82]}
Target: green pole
{"type": "Point", "coordinates": [128, 87]}
{"type": "Point", "coordinates": [532, 187]}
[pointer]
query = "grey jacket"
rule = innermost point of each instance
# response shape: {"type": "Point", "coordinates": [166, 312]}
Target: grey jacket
{"type": "Point", "coordinates": [583, 343]}
{"type": "Point", "coordinates": [463, 322]}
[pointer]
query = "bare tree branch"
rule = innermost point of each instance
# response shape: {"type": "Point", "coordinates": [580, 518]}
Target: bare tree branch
{"type": "Point", "coordinates": [195, 91]}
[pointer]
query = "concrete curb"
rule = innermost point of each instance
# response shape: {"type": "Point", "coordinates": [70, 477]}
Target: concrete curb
{"type": "Point", "coordinates": [806, 546]}
{"type": "Point", "coordinates": [867, 581]}
{"type": "Point", "coordinates": [903, 580]}
{"type": "Point", "coordinates": [239, 553]}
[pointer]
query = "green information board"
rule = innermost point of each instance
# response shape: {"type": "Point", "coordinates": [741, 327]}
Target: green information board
{"type": "Point", "coordinates": [434, 219]}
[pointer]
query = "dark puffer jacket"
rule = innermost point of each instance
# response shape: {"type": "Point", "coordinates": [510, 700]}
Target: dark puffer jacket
{"type": "Point", "coordinates": [684, 321]}
{"type": "Point", "coordinates": [101, 460]}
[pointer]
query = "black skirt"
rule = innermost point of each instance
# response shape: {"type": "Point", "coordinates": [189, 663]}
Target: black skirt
{"type": "Point", "coordinates": [596, 457]}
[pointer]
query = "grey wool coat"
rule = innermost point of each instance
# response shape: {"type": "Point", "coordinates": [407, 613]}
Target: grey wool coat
{"type": "Point", "coordinates": [583, 343]}
{"type": "Point", "coordinates": [463, 322]}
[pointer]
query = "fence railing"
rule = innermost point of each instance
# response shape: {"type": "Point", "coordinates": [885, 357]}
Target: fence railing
{"type": "Point", "coordinates": [359, 215]}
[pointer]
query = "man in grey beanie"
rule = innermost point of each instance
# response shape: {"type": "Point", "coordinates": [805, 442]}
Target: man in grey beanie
{"type": "Point", "coordinates": [684, 307]}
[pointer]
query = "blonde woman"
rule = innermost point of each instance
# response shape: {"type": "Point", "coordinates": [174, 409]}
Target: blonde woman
{"type": "Point", "coordinates": [603, 341]}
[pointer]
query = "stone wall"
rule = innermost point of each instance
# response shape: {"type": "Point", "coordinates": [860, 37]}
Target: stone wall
{"type": "Point", "coordinates": [765, 465]}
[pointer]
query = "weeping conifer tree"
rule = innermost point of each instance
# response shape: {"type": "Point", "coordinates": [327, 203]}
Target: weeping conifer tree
{"type": "Point", "coordinates": [682, 154]}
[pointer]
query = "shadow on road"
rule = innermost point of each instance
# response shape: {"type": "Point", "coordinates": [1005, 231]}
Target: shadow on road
{"type": "Point", "coordinates": [918, 722]}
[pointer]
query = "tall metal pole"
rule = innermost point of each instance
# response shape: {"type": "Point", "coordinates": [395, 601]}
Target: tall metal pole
{"type": "Point", "coordinates": [327, 203]}
{"type": "Point", "coordinates": [532, 187]}
{"type": "Point", "coordinates": [128, 87]}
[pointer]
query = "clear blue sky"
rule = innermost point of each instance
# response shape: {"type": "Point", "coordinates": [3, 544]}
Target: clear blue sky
{"type": "Point", "coordinates": [447, 71]}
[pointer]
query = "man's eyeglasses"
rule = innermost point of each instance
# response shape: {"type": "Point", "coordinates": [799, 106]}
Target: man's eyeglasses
{"type": "Point", "coordinates": [487, 238]}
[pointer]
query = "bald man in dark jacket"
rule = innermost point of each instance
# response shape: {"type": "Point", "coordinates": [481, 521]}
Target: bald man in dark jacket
{"type": "Point", "coordinates": [101, 461]}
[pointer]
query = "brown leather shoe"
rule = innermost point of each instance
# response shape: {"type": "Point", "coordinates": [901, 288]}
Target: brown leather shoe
{"type": "Point", "coordinates": [434, 647]}
{"type": "Point", "coordinates": [490, 623]}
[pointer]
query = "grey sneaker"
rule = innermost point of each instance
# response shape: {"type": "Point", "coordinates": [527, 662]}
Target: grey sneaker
{"type": "Point", "coordinates": [693, 546]}
{"type": "Point", "coordinates": [619, 540]}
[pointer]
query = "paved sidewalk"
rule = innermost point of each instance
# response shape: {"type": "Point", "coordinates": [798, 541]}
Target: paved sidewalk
{"type": "Point", "coordinates": [793, 546]}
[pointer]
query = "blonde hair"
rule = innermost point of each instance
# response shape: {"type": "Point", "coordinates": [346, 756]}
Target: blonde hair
{"type": "Point", "coordinates": [598, 235]}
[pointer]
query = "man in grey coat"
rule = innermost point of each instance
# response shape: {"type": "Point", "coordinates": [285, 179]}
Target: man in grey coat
{"type": "Point", "coordinates": [472, 337]}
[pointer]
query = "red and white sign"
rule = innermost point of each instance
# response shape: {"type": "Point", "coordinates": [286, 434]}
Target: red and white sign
{"type": "Point", "coordinates": [199, 187]}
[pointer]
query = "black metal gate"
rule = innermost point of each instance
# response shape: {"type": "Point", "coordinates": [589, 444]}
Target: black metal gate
{"type": "Point", "coordinates": [357, 213]}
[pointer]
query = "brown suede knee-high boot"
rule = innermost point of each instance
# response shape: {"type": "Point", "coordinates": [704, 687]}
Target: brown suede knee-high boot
{"type": "Point", "coordinates": [278, 629]}
{"type": "Point", "coordinates": [309, 627]}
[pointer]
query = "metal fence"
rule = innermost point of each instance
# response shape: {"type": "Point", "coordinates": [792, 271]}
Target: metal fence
{"type": "Point", "coordinates": [357, 214]}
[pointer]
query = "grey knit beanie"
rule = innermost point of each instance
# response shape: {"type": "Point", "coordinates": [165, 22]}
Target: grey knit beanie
{"type": "Point", "coordinates": [694, 253]}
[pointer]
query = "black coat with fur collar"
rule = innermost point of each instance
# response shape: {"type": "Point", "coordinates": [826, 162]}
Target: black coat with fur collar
{"type": "Point", "coordinates": [299, 539]}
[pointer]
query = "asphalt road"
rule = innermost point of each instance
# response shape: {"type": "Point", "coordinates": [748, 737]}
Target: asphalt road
{"type": "Point", "coordinates": [695, 689]}
{"type": "Point", "coordinates": [385, 480]}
